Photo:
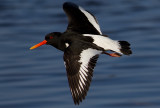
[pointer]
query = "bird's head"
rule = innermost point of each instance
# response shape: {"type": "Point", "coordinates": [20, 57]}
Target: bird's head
{"type": "Point", "coordinates": [50, 39]}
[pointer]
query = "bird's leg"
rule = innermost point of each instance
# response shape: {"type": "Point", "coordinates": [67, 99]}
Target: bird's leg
{"type": "Point", "coordinates": [112, 54]}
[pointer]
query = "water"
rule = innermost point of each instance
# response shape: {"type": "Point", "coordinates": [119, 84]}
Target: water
{"type": "Point", "coordinates": [37, 79]}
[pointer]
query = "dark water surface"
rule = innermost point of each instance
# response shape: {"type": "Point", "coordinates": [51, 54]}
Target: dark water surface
{"type": "Point", "coordinates": [37, 79]}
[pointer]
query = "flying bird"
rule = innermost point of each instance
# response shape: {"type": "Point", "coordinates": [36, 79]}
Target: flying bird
{"type": "Point", "coordinates": [82, 43]}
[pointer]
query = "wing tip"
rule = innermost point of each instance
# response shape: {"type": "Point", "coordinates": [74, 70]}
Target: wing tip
{"type": "Point", "coordinates": [78, 92]}
{"type": "Point", "coordinates": [69, 4]}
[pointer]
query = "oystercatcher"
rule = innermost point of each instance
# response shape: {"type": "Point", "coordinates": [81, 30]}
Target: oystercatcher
{"type": "Point", "coordinates": [82, 43]}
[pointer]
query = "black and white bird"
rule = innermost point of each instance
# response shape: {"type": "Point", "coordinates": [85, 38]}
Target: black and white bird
{"type": "Point", "coordinates": [82, 43]}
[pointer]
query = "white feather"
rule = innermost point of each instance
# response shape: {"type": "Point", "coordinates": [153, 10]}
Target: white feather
{"type": "Point", "coordinates": [81, 84]}
{"type": "Point", "coordinates": [81, 80]}
{"type": "Point", "coordinates": [105, 42]}
{"type": "Point", "coordinates": [85, 56]}
{"type": "Point", "coordinates": [91, 19]}
{"type": "Point", "coordinates": [84, 70]}
{"type": "Point", "coordinates": [81, 73]}
{"type": "Point", "coordinates": [80, 89]}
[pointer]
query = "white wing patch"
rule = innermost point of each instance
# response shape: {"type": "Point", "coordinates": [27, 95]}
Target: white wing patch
{"type": "Point", "coordinates": [91, 19]}
{"type": "Point", "coordinates": [85, 57]}
{"type": "Point", "coordinates": [105, 42]}
{"type": "Point", "coordinates": [87, 54]}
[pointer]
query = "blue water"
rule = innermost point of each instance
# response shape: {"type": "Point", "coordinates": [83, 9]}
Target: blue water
{"type": "Point", "coordinates": [37, 79]}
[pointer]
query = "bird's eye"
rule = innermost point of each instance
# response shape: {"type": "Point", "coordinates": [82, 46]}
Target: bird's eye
{"type": "Point", "coordinates": [50, 37]}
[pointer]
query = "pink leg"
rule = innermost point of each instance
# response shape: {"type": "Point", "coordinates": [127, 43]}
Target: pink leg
{"type": "Point", "coordinates": [112, 54]}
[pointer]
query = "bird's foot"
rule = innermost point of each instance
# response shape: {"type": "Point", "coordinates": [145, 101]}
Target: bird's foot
{"type": "Point", "coordinates": [113, 54]}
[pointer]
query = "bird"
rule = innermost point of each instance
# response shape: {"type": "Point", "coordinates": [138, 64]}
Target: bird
{"type": "Point", "coordinates": [82, 44]}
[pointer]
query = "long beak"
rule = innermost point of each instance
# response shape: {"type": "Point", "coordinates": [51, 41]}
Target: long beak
{"type": "Point", "coordinates": [38, 45]}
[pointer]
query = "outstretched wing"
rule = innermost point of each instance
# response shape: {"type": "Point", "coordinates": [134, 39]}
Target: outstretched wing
{"type": "Point", "coordinates": [79, 67]}
{"type": "Point", "coordinates": [80, 20]}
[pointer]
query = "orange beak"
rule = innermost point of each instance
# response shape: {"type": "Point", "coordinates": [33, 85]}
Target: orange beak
{"type": "Point", "coordinates": [38, 45]}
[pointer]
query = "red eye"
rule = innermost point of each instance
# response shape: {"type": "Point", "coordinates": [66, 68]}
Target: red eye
{"type": "Point", "coordinates": [50, 37]}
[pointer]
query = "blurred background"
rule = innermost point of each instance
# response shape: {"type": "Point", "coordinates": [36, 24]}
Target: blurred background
{"type": "Point", "coordinates": [37, 78]}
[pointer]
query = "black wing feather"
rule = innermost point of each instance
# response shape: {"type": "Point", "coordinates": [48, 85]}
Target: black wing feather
{"type": "Point", "coordinates": [78, 22]}
{"type": "Point", "coordinates": [78, 91]}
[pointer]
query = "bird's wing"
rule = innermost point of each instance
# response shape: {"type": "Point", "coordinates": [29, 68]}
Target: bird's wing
{"type": "Point", "coordinates": [80, 20]}
{"type": "Point", "coordinates": [79, 65]}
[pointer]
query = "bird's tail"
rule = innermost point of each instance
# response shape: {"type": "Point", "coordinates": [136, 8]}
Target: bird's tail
{"type": "Point", "coordinates": [125, 47]}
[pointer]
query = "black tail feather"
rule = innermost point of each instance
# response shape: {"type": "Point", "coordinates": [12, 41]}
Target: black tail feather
{"type": "Point", "coordinates": [125, 47]}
